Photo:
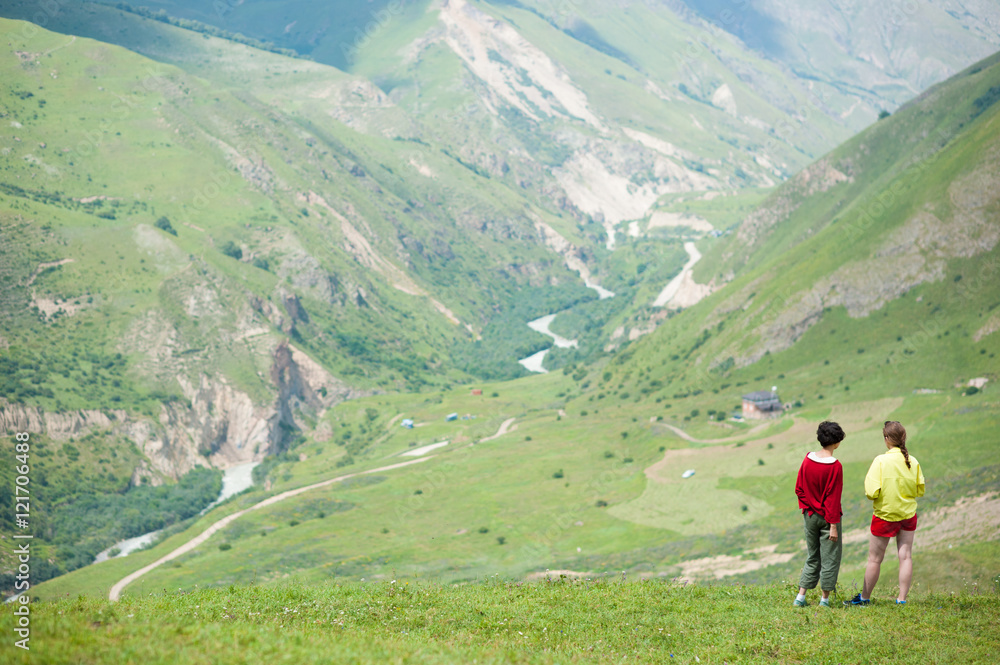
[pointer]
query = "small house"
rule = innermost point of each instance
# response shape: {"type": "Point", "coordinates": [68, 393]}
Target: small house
{"type": "Point", "coordinates": [451, 416]}
{"type": "Point", "coordinates": [477, 391]}
{"type": "Point", "coordinates": [762, 404]}
{"type": "Point", "coordinates": [408, 423]}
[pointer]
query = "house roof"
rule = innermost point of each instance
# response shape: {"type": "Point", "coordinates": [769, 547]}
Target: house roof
{"type": "Point", "coordinates": [761, 396]}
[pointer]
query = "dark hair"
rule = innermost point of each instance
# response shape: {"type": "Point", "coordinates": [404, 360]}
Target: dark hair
{"type": "Point", "coordinates": [895, 433]}
{"type": "Point", "coordinates": [829, 433]}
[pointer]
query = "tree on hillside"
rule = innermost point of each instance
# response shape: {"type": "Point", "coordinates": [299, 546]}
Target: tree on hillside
{"type": "Point", "coordinates": [164, 224]}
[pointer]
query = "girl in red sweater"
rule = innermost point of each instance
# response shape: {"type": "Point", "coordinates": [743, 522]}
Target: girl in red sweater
{"type": "Point", "coordinates": [819, 485]}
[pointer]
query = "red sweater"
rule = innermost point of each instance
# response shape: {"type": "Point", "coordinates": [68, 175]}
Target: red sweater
{"type": "Point", "coordinates": [819, 486]}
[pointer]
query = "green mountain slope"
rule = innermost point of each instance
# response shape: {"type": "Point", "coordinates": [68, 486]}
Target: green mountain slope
{"type": "Point", "coordinates": [605, 117]}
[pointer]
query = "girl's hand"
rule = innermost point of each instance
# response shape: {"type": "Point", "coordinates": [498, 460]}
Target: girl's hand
{"type": "Point", "coordinates": [833, 532]}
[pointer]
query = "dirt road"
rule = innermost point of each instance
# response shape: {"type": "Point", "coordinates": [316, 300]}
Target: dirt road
{"type": "Point", "coordinates": [120, 585]}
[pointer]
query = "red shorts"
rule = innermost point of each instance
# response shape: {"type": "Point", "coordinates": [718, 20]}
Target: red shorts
{"type": "Point", "coordinates": [884, 529]}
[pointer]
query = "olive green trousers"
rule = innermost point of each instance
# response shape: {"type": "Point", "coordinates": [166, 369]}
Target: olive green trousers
{"type": "Point", "coordinates": [823, 555]}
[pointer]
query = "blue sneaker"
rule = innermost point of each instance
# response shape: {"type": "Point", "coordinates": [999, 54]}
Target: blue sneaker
{"type": "Point", "coordinates": [900, 602]}
{"type": "Point", "coordinates": [800, 603]}
{"type": "Point", "coordinates": [856, 601]}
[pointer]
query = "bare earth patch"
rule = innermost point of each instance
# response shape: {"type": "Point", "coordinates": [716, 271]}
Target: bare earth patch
{"type": "Point", "coordinates": [971, 519]}
{"type": "Point", "coordinates": [725, 565]}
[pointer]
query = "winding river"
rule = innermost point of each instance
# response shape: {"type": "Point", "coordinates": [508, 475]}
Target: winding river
{"type": "Point", "coordinates": [235, 479]}
{"type": "Point", "coordinates": [535, 362]}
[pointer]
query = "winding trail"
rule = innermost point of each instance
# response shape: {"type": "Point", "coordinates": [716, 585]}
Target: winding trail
{"type": "Point", "coordinates": [119, 586]}
{"type": "Point", "coordinates": [687, 437]}
{"type": "Point", "coordinates": [505, 427]}
{"type": "Point", "coordinates": [116, 590]}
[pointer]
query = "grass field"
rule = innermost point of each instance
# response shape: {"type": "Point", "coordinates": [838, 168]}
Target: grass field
{"type": "Point", "coordinates": [401, 620]}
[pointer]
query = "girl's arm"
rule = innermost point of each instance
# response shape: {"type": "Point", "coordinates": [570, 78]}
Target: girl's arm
{"type": "Point", "coordinates": [920, 481]}
{"type": "Point", "coordinates": [873, 481]}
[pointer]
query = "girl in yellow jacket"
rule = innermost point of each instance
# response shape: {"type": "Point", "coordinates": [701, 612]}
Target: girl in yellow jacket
{"type": "Point", "coordinates": [893, 483]}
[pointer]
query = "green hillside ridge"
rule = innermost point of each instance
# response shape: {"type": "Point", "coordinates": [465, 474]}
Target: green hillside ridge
{"type": "Point", "coordinates": [832, 51]}
{"type": "Point", "coordinates": [561, 621]}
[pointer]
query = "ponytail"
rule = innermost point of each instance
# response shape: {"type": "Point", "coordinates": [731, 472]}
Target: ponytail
{"type": "Point", "coordinates": [895, 433]}
{"type": "Point", "coordinates": [906, 454]}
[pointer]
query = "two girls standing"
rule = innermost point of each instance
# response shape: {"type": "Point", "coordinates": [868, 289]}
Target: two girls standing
{"type": "Point", "coordinates": [893, 483]}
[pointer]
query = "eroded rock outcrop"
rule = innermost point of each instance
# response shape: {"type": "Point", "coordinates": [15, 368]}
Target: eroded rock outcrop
{"type": "Point", "coordinates": [216, 424]}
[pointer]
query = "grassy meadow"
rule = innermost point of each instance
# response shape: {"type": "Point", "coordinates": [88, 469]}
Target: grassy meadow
{"type": "Point", "coordinates": [558, 621]}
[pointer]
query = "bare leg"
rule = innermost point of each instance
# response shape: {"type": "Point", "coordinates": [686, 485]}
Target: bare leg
{"type": "Point", "coordinates": [826, 595]}
{"type": "Point", "coordinates": [876, 552]}
{"type": "Point", "coordinates": [904, 547]}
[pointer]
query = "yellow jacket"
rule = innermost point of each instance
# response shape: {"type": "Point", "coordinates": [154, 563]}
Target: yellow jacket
{"type": "Point", "coordinates": [893, 487]}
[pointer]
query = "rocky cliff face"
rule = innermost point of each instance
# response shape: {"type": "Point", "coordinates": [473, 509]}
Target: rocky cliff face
{"type": "Point", "coordinates": [217, 426]}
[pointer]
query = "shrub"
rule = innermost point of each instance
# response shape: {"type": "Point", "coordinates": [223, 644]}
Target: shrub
{"type": "Point", "coordinates": [760, 462]}
{"type": "Point", "coordinates": [971, 390]}
{"type": "Point", "coordinates": [501, 540]}
{"type": "Point", "coordinates": [694, 413]}
{"type": "Point", "coordinates": [608, 454]}
{"type": "Point", "coordinates": [261, 262]}
{"type": "Point", "coordinates": [601, 503]}
{"type": "Point", "coordinates": [231, 249]}
{"type": "Point", "coordinates": [164, 225]}
{"type": "Point", "coordinates": [225, 547]}
{"type": "Point", "coordinates": [293, 523]}
{"type": "Point", "coordinates": [483, 529]}
{"type": "Point", "coordinates": [558, 474]}
{"type": "Point", "coordinates": [627, 460]}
